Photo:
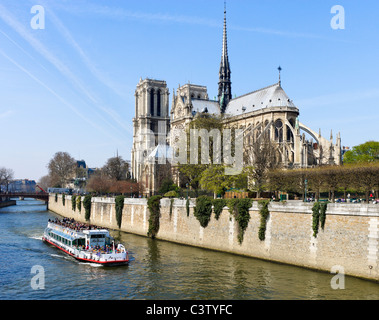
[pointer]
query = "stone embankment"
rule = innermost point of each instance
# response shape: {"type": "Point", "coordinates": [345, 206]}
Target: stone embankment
{"type": "Point", "coordinates": [6, 203]}
{"type": "Point", "coordinates": [348, 243]}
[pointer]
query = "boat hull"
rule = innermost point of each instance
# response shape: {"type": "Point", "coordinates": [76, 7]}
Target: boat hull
{"type": "Point", "coordinates": [87, 260]}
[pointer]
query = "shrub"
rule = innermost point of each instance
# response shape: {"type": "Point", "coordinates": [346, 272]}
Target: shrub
{"type": "Point", "coordinates": [87, 206]}
{"type": "Point", "coordinates": [323, 208]}
{"type": "Point", "coordinates": [319, 216]}
{"type": "Point", "coordinates": [73, 203]}
{"type": "Point", "coordinates": [171, 204]}
{"type": "Point", "coordinates": [171, 194]}
{"type": "Point", "coordinates": [79, 203]}
{"type": "Point", "coordinates": [119, 207]}
{"type": "Point", "coordinates": [264, 212]}
{"type": "Point", "coordinates": [154, 205]}
{"type": "Point", "coordinates": [243, 217]}
{"type": "Point", "coordinates": [239, 208]}
{"type": "Point", "coordinates": [316, 218]}
{"type": "Point", "coordinates": [218, 205]}
{"type": "Point", "coordinates": [203, 210]}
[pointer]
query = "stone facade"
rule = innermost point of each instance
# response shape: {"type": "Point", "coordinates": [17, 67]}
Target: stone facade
{"type": "Point", "coordinates": [151, 118]}
{"type": "Point", "coordinates": [261, 113]}
{"type": "Point", "coordinates": [349, 240]}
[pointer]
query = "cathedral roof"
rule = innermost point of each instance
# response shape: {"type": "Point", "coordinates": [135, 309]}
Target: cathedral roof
{"type": "Point", "coordinates": [199, 105]}
{"type": "Point", "coordinates": [272, 96]}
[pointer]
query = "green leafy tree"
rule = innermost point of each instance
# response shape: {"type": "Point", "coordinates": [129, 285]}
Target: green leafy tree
{"type": "Point", "coordinates": [215, 179]}
{"type": "Point", "coordinates": [366, 152]}
{"type": "Point", "coordinates": [168, 185]}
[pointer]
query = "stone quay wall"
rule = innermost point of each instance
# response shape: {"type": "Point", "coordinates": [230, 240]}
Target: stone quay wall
{"type": "Point", "coordinates": [348, 243]}
{"type": "Point", "coordinates": [7, 203]}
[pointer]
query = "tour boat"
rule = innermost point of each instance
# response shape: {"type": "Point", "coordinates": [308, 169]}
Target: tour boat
{"type": "Point", "coordinates": [88, 244]}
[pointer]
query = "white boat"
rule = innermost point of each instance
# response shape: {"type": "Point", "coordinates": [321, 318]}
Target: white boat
{"type": "Point", "coordinates": [89, 244]}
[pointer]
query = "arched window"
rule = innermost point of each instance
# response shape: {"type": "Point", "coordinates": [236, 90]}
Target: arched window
{"type": "Point", "coordinates": [159, 103]}
{"type": "Point", "coordinates": [279, 130]}
{"type": "Point", "coordinates": [152, 102]}
{"type": "Point", "coordinates": [268, 130]}
{"type": "Point", "coordinates": [258, 130]}
{"type": "Point", "coordinates": [289, 131]}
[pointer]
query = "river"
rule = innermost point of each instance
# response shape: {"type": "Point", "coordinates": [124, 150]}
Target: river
{"type": "Point", "coordinates": [158, 270]}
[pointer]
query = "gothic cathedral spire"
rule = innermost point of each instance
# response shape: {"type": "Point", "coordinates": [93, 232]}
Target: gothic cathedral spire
{"type": "Point", "coordinates": [224, 84]}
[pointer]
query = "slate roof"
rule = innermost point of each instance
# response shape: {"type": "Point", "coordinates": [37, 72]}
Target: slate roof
{"type": "Point", "coordinates": [210, 106]}
{"type": "Point", "coordinates": [272, 96]}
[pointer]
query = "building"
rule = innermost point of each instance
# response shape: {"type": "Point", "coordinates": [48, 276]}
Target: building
{"type": "Point", "coordinates": [269, 110]}
{"type": "Point", "coordinates": [22, 185]}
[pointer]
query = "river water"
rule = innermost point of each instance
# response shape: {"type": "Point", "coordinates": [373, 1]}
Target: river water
{"type": "Point", "coordinates": [158, 270]}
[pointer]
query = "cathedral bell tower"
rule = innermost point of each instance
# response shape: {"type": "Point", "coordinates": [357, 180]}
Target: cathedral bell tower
{"type": "Point", "coordinates": [224, 84]}
{"type": "Point", "coordinates": [151, 126]}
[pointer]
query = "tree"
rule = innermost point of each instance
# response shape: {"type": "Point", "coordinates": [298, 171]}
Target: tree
{"type": "Point", "coordinates": [214, 179]}
{"type": "Point", "coordinates": [124, 187]}
{"type": "Point", "coordinates": [260, 156]}
{"type": "Point", "coordinates": [368, 178]}
{"type": "Point", "coordinates": [167, 185]}
{"type": "Point", "coordinates": [99, 183]}
{"type": "Point", "coordinates": [192, 172]}
{"type": "Point", "coordinates": [331, 174]}
{"type": "Point", "coordinates": [316, 180]}
{"type": "Point", "coordinates": [6, 175]}
{"type": "Point", "coordinates": [117, 168]}
{"type": "Point", "coordinates": [366, 152]}
{"type": "Point", "coordinates": [62, 168]}
{"type": "Point", "coordinates": [45, 182]}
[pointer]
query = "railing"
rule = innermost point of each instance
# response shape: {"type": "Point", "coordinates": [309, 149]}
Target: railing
{"type": "Point", "coordinates": [36, 195]}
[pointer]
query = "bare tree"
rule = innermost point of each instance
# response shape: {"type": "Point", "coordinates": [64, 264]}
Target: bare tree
{"type": "Point", "coordinates": [117, 168]}
{"type": "Point", "coordinates": [260, 156]}
{"type": "Point", "coordinates": [45, 182]}
{"type": "Point", "coordinates": [99, 183]}
{"type": "Point", "coordinates": [6, 176]}
{"type": "Point", "coordinates": [62, 168]}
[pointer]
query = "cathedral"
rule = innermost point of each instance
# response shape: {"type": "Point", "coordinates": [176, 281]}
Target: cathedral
{"type": "Point", "coordinates": [157, 130]}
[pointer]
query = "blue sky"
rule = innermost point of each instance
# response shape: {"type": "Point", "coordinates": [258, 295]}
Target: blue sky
{"type": "Point", "coordinates": [70, 86]}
